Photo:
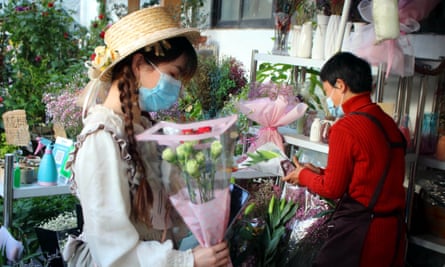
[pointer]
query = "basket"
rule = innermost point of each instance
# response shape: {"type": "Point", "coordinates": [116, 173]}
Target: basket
{"type": "Point", "coordinates": [16, 128]}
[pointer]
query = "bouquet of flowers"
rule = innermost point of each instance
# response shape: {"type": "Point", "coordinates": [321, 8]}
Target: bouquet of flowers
{"type": "Point", "coordinates": [203, 152]}
{"type": "Point", "coordinates": [271, 114]}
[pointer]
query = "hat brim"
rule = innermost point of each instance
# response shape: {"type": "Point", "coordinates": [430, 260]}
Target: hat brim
{"type": "Point", "coordinates": [192, 34]}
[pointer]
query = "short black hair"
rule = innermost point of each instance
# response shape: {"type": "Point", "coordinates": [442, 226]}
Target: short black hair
{"type": "Point", "coordinates": [354, 71]}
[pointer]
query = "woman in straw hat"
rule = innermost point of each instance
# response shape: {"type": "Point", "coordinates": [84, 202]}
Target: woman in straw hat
{"type": "Point", "coordinates": [127, 217]}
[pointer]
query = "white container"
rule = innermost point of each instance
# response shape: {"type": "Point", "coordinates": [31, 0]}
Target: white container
{"type": "Point", "coordinates": [305, 41]}
{"type": "Point", "coordinates": [315, 135]}
{"type": "Point", "coordinates": [332, 31]}
{"type": "Point", "coordinates": [296, 30]}
{"type": "Point", "coordinates": [319, 37]}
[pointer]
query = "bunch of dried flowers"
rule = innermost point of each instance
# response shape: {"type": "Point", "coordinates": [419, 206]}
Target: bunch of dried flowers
{"type": "Point", "coordinates": [61, 108]}
{"type": "Point", "coordinates": [273, 90]}
{"type": "Point", "coordinates": [63, 221]}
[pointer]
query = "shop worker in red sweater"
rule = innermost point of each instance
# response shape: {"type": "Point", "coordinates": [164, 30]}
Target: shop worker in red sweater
{"type": "Point", "coordinates": [365, 170]}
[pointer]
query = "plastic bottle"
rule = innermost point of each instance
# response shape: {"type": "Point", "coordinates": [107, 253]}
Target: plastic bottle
{"type": "Point", "coordinates": [65, 174]}
{"type": "Point", "coordinates": [17, 176]}
{"type": "Point", "coordinates": [47, 174]}
{"type": "Point", "coordinates": [315, 130]}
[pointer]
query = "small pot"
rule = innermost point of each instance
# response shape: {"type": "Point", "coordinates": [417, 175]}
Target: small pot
{"type": "Point", "coordinates": [27, 175]}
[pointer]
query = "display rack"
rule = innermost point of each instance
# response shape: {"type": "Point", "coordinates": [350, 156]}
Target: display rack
{"type": "Point", "coordinates": [9, 193]}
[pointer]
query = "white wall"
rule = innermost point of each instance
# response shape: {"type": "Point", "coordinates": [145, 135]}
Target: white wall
{"type": "Point", "coordinates": [239, 43]}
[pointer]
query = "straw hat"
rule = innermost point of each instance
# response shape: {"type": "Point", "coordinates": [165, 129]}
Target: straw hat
{"type": "Point", "coordinates": [146, 28]}
{"type": "Point", "coordinates": [139, 29]}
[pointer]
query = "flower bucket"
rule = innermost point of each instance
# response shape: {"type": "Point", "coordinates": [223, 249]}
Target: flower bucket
{"type": "Point", "coordinates": [51, 242]}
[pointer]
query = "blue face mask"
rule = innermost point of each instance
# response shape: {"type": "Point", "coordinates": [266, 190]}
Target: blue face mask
{"type": "Point", "coordinates": [162, 96]}
{"type": "Point", "coordinates": [335, 111]}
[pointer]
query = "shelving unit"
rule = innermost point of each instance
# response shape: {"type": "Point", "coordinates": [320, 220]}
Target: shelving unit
{"type": "Point", "coordinates": [9, 193]}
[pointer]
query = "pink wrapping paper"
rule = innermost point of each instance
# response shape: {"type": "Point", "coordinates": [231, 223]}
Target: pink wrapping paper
{"type": "Point", "coordinates": [207, 221]}
{"type": "Point", "coordinates": [270, 114]}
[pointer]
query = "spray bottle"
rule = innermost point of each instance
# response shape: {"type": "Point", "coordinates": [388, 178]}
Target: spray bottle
{"type": "Point", "coordinates": [47, 174]}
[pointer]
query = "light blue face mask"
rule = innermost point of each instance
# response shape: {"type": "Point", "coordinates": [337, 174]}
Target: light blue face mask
{"type": "Point", "coordinates": [162, 96]}
{"type": "Point", "coordinates": [335, 111]}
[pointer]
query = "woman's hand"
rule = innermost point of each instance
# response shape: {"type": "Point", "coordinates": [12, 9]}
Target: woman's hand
{"type": "Point", "coordinates": [217, 255]}
{"type": "Point", "coordinates": [293, 177]}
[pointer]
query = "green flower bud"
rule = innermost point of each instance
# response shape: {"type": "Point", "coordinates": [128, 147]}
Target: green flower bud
{"type": "Point", "coordinates": [271, 205]}
{"type": "Point", "coordinates": [169, 155]}
{"type": "Point", "coordinates": [192, 167]}
{"type": "Point", "coordinates": [282, 203]}
{"type": "Point", "coordinates": [249, 208]}
{"type": "Point", "coordinates": [200, 158]}
{"type": "Point", "coordinates": [188, 147]}
{"type": "Point", "coordinates": [215, 149]}
{"type": "Point", "coordinates": [181, 152]}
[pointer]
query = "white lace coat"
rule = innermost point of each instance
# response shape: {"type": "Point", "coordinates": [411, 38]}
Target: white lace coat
{"type": "Point", "coordinates": [101, 180]}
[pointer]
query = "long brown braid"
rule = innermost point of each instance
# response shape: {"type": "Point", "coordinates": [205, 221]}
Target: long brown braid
{"type": "Point", "coordinates": [142, 200]}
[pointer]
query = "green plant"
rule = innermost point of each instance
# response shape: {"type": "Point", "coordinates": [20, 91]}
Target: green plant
{"type": "Point", "coordinates": [277, 73]}
{"type": "Point", "coordinates": [305, 12]}
{"type": "Point", "coordinates": [42, 53]}
{"type": "Point", "coordinates": [4, 147]}
{"type": "Point", "coordinates": [263, 239]}
{"type": "Point", "coordinates": [309, 92]}
{"type": "Point", "coordinates": [31, 212]}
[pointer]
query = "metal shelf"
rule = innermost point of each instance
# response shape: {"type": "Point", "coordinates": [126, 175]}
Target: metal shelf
{"type": "Point", "coordinates": [291, 137]}
{"type": "Point", "coordinates": [35, 190]}
{"type": "Point", "coordinates": [295, 61]}
{"type": "Point", "coordinates": [304, 62]}
{"type": "Point", "coordinates": [431, 242]}
{"type": "Point", "coordinates": [432, 162]}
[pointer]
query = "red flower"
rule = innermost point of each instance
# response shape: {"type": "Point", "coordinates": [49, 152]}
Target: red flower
{"type": "Point", "coordinates": [38, 59]}
{"type": "Point", "coordinates": [65, 35]}
{"type": "Point", "coordinates": [102, 34]}
{"type": "Point", "coordinates": [95, 25]}
{"type": "Point", "coordinates": [101, 16]}
{"type": "Point", "coordinates": [1, 99]}
{"type": "Point", "coordinates": [93, 56]}
{"type": "Point", "coordinates": [205, 129]}
{"type": "Point", "coordinates": [50, 4]}
{"type": "Point", "coordinates": [187, 131]}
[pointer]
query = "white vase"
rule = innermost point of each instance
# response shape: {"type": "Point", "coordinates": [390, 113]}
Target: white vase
{"type": "Point", "coordinates": [331, 36]}
{"type": "Point", "coordinates": [305, 40]}
{"type": "Point", "coordinates": [296, 30]}
{"type": "Point", "coordinates": [319, 37]}
{"type": "Point", "coordinates": [344, 45]}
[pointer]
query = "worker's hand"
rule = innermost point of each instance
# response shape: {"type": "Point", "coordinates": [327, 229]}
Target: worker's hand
{"type": "Point", "coordinates": [292, 177]}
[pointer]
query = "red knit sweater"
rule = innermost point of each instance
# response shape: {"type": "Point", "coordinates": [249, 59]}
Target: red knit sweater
{"type": "Point", "coordinates": [357, 156]}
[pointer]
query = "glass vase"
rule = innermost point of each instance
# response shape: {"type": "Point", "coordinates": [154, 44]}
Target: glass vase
{"type": "Point", "coordinates": [281, 33]}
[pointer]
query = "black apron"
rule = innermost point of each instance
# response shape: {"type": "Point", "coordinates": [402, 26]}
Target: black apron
{"type": "Point", "coordinates": [350, 222]}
